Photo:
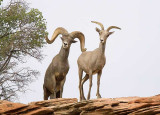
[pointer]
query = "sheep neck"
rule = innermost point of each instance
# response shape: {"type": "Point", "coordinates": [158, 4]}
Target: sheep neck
{"type": "Point", "coordinates": [102, 47]}
{"type": "Point", "coordinates": [64, 53]}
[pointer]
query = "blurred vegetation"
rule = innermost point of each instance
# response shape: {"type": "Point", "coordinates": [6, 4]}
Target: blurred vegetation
{"type": "Point", "coordinates": [0, 1]}
{"type": "Point", "coordinates": [22, 32]}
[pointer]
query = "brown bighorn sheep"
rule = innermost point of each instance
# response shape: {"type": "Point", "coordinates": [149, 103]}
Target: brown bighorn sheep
{"type": "Point", "coordinates": [55, 75]}
{"type": "Point", "coordinates": [92, 62]}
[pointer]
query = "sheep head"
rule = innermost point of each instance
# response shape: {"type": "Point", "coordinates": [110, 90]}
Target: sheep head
{"type": "Point", "coordinates": [67, 38]}
{"type": "Point", "coordinates": [104, 34]}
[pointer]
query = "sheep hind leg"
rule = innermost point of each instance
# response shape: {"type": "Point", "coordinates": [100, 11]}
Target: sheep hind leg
{"type": "Point", "coordinates": [46, 93]}
{"type": "Point", "coordinates": [83, 81]}
{"type": "Point", "coordinates": [80, 80]}
{"type": "Point", "coordinates": [90, 85]}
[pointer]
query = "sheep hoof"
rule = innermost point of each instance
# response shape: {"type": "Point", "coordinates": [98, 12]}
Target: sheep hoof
{"type": "Point", "coordinates": [99, 96]}
{"type": "Point", "coordinates": [83, 98]}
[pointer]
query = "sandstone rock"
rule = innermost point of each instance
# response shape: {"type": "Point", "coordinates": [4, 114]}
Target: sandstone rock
{"type": "Point", "coordinates": [71, 106]}
{"type": "Point", "coordinates": [6, 106]}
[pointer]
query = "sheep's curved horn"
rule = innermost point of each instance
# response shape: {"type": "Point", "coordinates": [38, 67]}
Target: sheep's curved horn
{"type": "Point", "coordinates": [109, 28]}
{"type": "Point", "coordinates": [58, 31]}
{"type": "Point", "coordinates": [80, 36]}
{"type": "Point", "coordinates": [102, 27]}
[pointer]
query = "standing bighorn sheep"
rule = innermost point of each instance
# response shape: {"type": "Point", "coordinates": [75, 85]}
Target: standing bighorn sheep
{"type": "Point", "coordinates": [92, 62]}
{"type": "Point", "coordinates": [55, 75]}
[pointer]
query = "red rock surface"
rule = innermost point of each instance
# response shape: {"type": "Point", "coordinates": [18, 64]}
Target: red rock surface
{"type": "Point", "coordinates": [71, 106]}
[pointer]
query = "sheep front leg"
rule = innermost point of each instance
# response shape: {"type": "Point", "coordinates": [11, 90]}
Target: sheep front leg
{"type": "Point", "coordinates": [90, 85]}
{"type": "Point", "coordinates": [80, 79]}
{"type": "Point", "coordinates": [53, 95]}
{"type": "Point", "coordinates": [61, 87]}
{"type": "Point", "coordinates": [83, 81]}
{"type": "Point", "coordinates": [98, 83]}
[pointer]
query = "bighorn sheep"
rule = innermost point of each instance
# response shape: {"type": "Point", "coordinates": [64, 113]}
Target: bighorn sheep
{"type": "Point", "coordinates": [92, 62]}
{"type": "Point", "coordinates": [55, 75]}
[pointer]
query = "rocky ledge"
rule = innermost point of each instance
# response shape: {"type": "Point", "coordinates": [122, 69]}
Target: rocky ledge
{"type": "Point", "coordinates": [71, 106]}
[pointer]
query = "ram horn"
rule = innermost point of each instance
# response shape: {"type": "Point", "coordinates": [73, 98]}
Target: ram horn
{"type": "Point", "coordinates": [102, 27]}
{"type": "Point", "coordinates": [109, 28]}
{"type": "Point", "coordinates": [58, 31]}
{"type": "Point", "coordinates": [80, 36]}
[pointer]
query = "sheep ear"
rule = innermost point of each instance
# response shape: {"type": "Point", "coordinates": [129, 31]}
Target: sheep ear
{"type": "Point", "coordinates": [74, 41]}
{"type": "Point", "coordinates": [111, 33]}
{"type": "Point", "coordinates": [61, 38]}
{"type": "Point", "coordinates": [97, 29]}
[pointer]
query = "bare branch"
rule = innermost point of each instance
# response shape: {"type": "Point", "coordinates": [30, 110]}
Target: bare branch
{"type": "Point", "coordinates": [6, 62]}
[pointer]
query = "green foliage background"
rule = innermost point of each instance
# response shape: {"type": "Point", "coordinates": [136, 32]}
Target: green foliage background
{"type": "Point", "coordinates": [22, 32]}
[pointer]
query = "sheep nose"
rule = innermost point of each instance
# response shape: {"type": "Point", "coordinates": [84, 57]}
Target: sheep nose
{"type": "Point", "coordinates": [65, 44]}
{"type": "Point", "coordinates": [101, 40]}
